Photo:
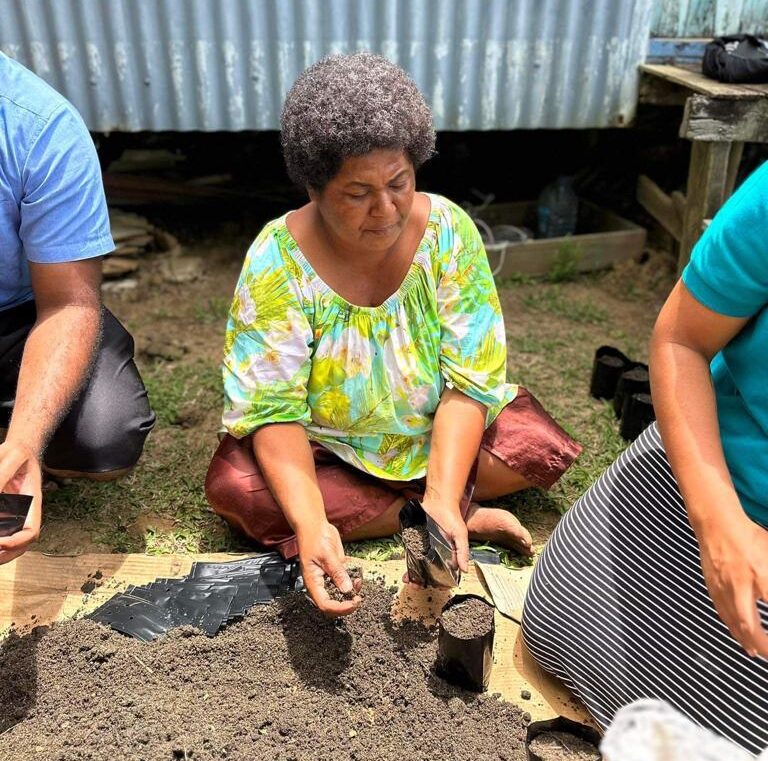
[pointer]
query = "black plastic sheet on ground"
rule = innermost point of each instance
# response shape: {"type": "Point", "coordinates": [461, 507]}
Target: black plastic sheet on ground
{"type": "Point", "coordinates": [211, 596]}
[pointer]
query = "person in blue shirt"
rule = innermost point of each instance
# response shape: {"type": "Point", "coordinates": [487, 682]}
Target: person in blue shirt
{"type": "Point", "coordinates": [654, 584]}
{"type": "Point", "coordinates": [71, 399]}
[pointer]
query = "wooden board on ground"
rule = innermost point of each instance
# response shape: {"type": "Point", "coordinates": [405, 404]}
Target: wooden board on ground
{"type": "Point", "coordinates": [39, 589]}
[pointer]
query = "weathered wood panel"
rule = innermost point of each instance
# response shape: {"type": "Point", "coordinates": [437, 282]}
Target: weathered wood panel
{"type": "Point", "coordinates": [718, 120]}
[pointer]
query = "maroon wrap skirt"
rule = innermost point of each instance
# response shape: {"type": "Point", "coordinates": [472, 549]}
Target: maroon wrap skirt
{"type": "Point", "coordinates": [523, 436]}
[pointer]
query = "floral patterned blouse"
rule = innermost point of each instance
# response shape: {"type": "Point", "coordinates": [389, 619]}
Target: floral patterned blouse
{"type": "Point", "coordinates": [365, 381]}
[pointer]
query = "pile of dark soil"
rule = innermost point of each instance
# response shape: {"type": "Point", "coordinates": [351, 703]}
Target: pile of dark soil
{"type": "Point", "coordinates": [562, 746]}
{"type": "Point", "coordinates": [468, 620]}
{"type": "Point", "coordinates": [416, 541]}
{"type": "Point", "coordinates": [284, 684]}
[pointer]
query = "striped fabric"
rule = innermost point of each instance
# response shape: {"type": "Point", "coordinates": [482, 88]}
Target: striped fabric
{"type": "Point", "coordinates": [618, 609]}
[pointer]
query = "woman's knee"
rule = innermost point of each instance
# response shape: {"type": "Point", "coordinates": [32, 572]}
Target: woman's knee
{"type": "Point", "coordinates": [236, 491]}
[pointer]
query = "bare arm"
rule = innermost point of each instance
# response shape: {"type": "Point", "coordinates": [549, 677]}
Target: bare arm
{"type": "Point", "coordinates": [458, 428]}
{"type": "Point", "coordinates": [285, 458]}
{"type": "Point", "coordinates": [734, 550]}
{"type": "Point", "coordinates": [56, 359]}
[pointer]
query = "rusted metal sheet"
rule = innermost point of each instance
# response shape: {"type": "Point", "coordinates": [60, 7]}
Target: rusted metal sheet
{"type": "Point", "coordinates": [226, 64]}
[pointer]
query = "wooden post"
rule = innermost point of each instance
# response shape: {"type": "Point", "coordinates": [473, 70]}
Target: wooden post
{"type": "Point", "coordinates": [707, 180]}
{"type": "Point", "coordinates": [734, 161]}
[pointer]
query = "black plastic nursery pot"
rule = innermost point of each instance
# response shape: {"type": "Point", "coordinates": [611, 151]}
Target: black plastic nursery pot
{"type": "Point", "coordinates": [438, 565]}
{"type": "Point", "coordinates": [465, 661]}
{"type": "Point", "coordinates": [634, 380]}
{"type": "Point", "coordinates": [13, 512]}
{"type": "Point", "coordinates": [560, 724]}
{"type": "Point", "coordinates": [607, 368]}
{"type": "Point", "coordinates": [636, 415]}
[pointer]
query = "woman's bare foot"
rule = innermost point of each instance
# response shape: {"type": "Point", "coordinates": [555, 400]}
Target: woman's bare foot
{"type": "Point", "coordinates": [494, 524]}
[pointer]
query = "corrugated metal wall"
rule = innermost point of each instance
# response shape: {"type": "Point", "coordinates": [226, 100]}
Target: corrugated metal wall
{"type": "Point", "coordinates": [226, 64]}
{"type": "Point", "coordinates": [709, 18]}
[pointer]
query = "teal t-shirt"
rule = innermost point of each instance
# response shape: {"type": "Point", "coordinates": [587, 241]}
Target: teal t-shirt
{"type": "Point", "coordinates": [728, 273]}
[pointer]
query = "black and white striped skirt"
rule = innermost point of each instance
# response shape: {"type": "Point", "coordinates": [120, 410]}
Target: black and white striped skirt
{"type": "Point", "coordinates": [618, 609]}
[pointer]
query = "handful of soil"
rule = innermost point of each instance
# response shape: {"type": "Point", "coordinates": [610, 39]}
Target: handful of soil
{"type": "Point", "coordinates": [465, 642]}
{"type": "Point", "coordinates": [335, 593]}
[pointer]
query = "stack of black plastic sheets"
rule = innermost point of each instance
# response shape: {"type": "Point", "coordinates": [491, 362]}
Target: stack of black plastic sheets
{"type": "Point", "coordinates": [211, 596]}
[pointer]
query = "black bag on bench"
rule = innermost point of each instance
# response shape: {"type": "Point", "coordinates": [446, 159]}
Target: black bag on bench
{"type": "Point", "coordinates": [736, 58]}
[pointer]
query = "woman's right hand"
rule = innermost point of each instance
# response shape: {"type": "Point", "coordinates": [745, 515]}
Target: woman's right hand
{"type": "Point", "coordinates": [734, 558]}
{"type": "Point", "coordinates": [321, 554]}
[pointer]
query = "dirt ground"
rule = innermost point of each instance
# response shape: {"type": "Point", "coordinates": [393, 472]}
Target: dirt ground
{"type": "Point", "coordinates": [284, 684]}
{"type": "Point", "coordinates": [553, 330]}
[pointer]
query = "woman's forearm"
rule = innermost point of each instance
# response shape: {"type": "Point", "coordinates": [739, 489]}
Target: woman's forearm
{"type": "Point", "coordinates": [285, 458]}
{"type": "Point", "coordinates": [686, 409]}
{"type": "Point", "coordinates": [457, 430]}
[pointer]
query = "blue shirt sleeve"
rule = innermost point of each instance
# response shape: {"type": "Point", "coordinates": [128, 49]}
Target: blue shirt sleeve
{"type": "Point", "coordinates": [64, 214]}
{"type": "Point", "coordinates": [728, 271]}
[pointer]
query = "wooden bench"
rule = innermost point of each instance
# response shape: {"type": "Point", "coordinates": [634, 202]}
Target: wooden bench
{"type": "Point", "coordinates": [718, 118]}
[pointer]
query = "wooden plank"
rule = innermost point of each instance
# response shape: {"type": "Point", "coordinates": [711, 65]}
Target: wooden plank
{"type": "Point", "coordinates": [660, 92]}
{"type": "Point", "coordinates": [585, 253]}
{"type": "Point", "coordinates": [694, 80]}
{"type": "Point", "coordinates": [37, 589]}
{"type": "Point", "coordinates": [660, 206]}
{"type": "Point", "coordinates": [718, 120]}
{"type": "Point", "coordinates": [614, 240]}
{"type": "Point", "coordinates": [678, 199]}
{"type": "Point", "coordinates": [118, 266]}
{"type": "Point", "coordinates": [707, 177]}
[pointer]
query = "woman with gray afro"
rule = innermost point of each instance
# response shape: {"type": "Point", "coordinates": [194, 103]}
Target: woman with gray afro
{"type": "Point", "coordinates": [365, 352]}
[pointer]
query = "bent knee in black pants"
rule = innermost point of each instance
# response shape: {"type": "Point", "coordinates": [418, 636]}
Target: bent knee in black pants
{"type": "Point", "coordinates": [109, 421]}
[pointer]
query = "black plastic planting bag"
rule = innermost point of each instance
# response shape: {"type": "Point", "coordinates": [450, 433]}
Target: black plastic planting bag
{"type": "Point", "coordinates": [736, 58]}
{"type": "Point", "coordinates": [634, 380]}
{"type": "Point", "coordinates": [439, 567]}
{"type": "Point", "coordinates": [560, 725]}
{"type": "Point", "coordinates": [465, 661]}
{"type": "Point", "coordinates": [607, 368]}
{"type": "Point", "coordinates": [637, 414]}
{"type": "Point", "coordinates": [13, 512]}
{"type": "Point", "coordinates": [133, 616]}
{"type": "Point", "coordinates": [249, 566]}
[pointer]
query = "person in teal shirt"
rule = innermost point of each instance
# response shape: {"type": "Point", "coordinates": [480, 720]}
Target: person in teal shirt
{"type": "Point", "coordinates": [728, 274]}
{"type": "Point", "coordinates": [654, 585]}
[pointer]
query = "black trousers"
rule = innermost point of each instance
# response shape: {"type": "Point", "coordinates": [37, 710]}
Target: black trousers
{"type": "Point", "coordinates": [107, 424]}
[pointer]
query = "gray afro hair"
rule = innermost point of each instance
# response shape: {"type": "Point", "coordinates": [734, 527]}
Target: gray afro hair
{"type": "Point", "coordinates": [349, 105]}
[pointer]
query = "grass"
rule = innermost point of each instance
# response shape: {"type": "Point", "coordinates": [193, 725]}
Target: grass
{"type": "Point", "coordinates": [556, 300]}
{"type": "Point", "coordinates": [553, 329]}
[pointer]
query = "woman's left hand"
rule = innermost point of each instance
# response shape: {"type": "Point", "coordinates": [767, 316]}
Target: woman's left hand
{"type": "Point", "coordinates": [448, 517]}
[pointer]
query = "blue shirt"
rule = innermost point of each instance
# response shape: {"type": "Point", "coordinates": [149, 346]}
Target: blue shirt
{"type": "Point", "coordinates": [728, 273]}
{"type": "Point", "coordinates": [52, 205]}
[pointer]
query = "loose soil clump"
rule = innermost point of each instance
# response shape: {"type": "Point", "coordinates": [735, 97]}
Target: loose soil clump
{"type": "Point", "coordinates": [416, 541]}
{"type": "Point", "coordinates": [468, 620]}
{"type": "Point", "coordinates": [562, 746]}
{"type": "Point", "coordinates": [284, 683]}
{"type": "Point", "coordinates": [335, 593]}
